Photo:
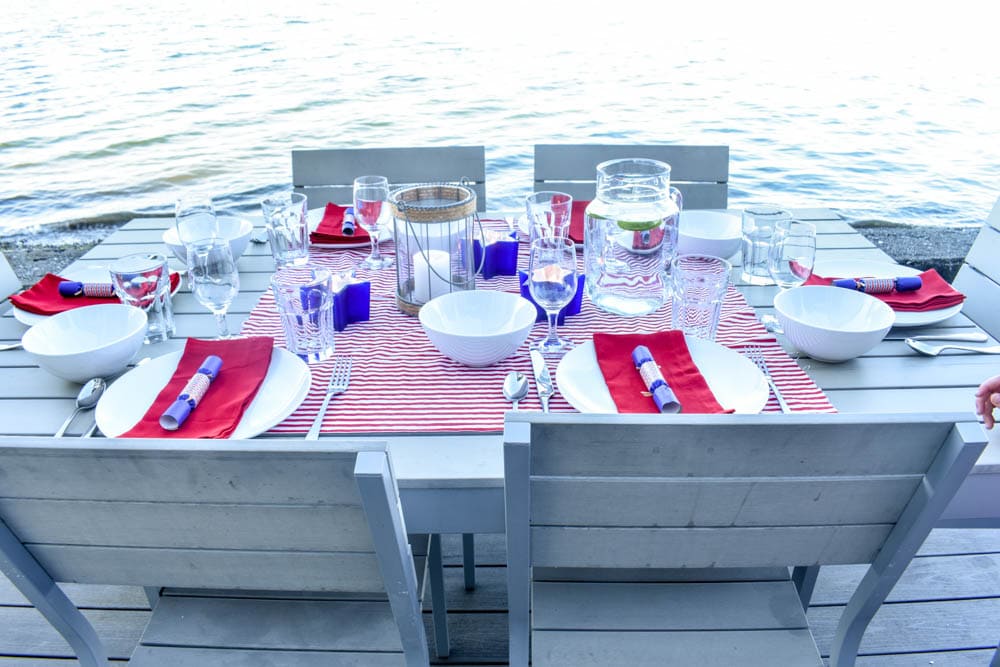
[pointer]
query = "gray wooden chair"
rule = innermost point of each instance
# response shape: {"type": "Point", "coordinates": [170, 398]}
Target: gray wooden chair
{"type": "Point", "coordinates": [977, 504]}
{"type": "Point", "coordinates": [240, 521]}
{"type": "Point", "coordinates": [631, 535]}
{"type": "Point", "coordinates": [327, 175]}
{"type": "Point", "coordinates": [701, 173]}
{"type": "Point", "coordinates": [9, 282]}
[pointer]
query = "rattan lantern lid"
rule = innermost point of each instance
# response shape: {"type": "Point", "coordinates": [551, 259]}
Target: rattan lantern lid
{"type": "Point", "coordinates": [433, 202]}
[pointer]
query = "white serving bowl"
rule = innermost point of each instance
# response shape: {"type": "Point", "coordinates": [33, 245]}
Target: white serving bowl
{"type": "Point", "coordinates": [87, 342]}
{"type": "Point", "coordinates": [236, 230]}
{"type": "Point", "coordinates": [709, 233]}
{"type": "Point", "coordinates": [832, 323]}
{"type": "Point", "coordinates": [477, 327]}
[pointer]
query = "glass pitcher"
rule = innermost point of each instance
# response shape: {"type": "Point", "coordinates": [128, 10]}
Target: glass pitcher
{"type": "Point", "coordinates": [630, 236]}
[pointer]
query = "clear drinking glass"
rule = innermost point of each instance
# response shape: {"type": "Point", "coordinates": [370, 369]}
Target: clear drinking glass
{"type": "Point", "coordinates": [552, 282]}
{"type": "Point", "coordinates": [195, 219]}
{"type": "Point", "coordinates": [548, 214]}
{"type": "Point", "coordinates": [215, 280]}
{"type": "Point", "coordinates": [143, 280]}
{"type": "Point", "coordinates": [371, 211]}
{"type": "Point", "coordinates": [304, 298]}
{"type": "Point", "coordinates": [699, 288]}
{"type": "Point", "coordinates": [759, 223]}
{"type": "Point", "coordinates": [287, 225]}
{"type": "Point", "coordinates": [792, 253]}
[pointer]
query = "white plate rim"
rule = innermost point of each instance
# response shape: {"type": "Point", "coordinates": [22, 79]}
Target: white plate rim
{"type": "Point", "coordinates": [82, 274]}
{"type": "Point", "coordinates": [751, 397]}
{"type": "Point", "coordinates": [314, 216]}
{"type": "Point", "coordinates": [846, 268]}
{"type": "Point", "coordinates": [152, 376]}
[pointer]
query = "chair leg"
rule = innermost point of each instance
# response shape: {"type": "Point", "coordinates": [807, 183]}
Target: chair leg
{"type": "Point", "coordinates": [152, 594]}
{"type": "Point", "coordinates": [31, 579]}
{"type": "Point", "coordinates": [469, 560]}
{"type": "Point", "coordinates": [804, 579]}
{"type": "Point", "coordinates": [439, 606]}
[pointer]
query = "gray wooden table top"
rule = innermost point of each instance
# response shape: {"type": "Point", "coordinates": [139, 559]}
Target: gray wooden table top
{"type": "Point", "coordinates": [890, 378]}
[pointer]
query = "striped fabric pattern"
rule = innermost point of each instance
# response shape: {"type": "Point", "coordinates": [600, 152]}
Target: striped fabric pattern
{"type": "Point", "coordinates": [400, 383]}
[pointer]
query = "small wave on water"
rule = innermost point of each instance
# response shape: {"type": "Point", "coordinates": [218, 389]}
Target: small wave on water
{"type": "Point", "coordinates": [106, 119]}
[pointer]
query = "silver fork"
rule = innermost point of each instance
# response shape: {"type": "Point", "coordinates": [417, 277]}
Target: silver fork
{"type": "Point", "coordinates": [754, 354]}
{"type": "Point", "coordinates": [339, 379]}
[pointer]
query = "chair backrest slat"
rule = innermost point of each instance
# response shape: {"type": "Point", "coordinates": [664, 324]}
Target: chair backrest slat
{"type": "Point", "coordinates": [221, 515]}
{"type": "Point", "coordinates": [701, 173]}
{"type": "Point", "coordinates": [717, 446]}
{"type": "Point", "coordinates": [9, 282]}
{"type": "Point", "coordinates": [722, 490]}
{"type": "Point", "coordinates": [979, 277]}
{"type": "Point", "coordinates": [327, 175]}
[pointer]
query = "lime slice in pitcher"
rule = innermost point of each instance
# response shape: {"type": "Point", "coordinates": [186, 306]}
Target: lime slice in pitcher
{"type": "Point", "coordinates": [639, 225]}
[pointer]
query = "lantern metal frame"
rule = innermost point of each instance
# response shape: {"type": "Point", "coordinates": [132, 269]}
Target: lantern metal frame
{"type": "Point", "coordinates": [449, 211]}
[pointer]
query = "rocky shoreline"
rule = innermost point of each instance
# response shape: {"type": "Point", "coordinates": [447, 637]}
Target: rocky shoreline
{"type": "Point", "coordinates": [919, 246]}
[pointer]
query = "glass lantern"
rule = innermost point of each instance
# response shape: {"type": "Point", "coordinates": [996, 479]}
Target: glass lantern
{"type": "Point", "coordinates": [435, 242]}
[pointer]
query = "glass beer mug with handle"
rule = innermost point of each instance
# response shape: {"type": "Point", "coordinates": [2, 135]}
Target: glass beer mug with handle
{"type": "Point", "coordinates": [630, 236]}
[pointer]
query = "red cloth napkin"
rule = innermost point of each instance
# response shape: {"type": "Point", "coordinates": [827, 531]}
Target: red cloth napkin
{"type": "Point", "coordinates": [43, 298]}
{"type": "Point", "coordinates": [576, 222]}
{"type": "Point", "coordinates": [934, 294]}
{"type": "Point", "coordinates": [330, 229]}
{"type": "Point", "coordinates": [244, 364]}
{"type": "Point", "coordinates": [670, 351]}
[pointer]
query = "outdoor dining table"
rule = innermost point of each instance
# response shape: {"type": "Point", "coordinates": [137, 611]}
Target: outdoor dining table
{"type": "Point", "coordinates": [444, 422]}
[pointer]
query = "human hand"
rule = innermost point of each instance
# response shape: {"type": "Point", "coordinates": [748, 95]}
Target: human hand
{"type": "Point", "coordinates": [987, 398]}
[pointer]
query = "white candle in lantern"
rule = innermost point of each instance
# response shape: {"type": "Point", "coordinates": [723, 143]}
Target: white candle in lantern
{"type": "Point", "coordinates": [431, 274]}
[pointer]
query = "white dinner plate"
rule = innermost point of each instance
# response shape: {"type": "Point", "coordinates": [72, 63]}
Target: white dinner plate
{"type": "Point", "coordinates": [127, 400]}
{"type": "Point", "coordinates": [90, 273]}
{"type": "Point", "coordinates": [735, 380]}
{"type": "Point", "coordinates": [857, 268]}
{"type": "Point", "coordinates": [315, 216]}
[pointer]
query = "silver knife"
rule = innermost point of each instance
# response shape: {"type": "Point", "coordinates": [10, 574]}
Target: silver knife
{"type": "Point", "coordinates": [543, 381]}
{"type": "Point", "coordinates": [967, 337]}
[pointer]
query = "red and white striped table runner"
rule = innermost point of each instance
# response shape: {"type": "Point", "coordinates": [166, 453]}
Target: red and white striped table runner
{"type": "Point", "coordinates": [400, 383]}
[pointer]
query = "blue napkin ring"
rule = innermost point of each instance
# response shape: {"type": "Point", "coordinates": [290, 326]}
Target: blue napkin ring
{"type": "Point", "coordinates": [347, 226]}
{"type": "Point", "coordinates": [191, 394]}
{"type": "Point", "coordinates": [662, 394]}
{"type": "Point", "coordinates": [70, 288]}
{"type": "Point", "coordinates": [881, 285]}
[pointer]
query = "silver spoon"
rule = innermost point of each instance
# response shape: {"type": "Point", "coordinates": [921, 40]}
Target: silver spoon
{"type": "Point", "coordinates": [85, 400]}
{"type": "Point", "coordinates": [515, 387]}
{"type": "Point", "coordinates": [934, 350]}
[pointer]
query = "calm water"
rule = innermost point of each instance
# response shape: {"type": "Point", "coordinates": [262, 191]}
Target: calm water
{"type": "Point", "coordinates": [109, 111]}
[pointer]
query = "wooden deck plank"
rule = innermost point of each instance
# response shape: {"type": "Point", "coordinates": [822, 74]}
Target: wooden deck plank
{"type": "Point", "coordinates": [949, 659]}
{"type": "Point", "coordinates": [82, 595]}
{"type": "Point", "coordinates": [928, 578]}
{"type": "Point", "coordinates": [24, 632]}
{"type": "Point", "coordinates": [917, 626]}
{"type": "Point", "coordinates": [947, 630]}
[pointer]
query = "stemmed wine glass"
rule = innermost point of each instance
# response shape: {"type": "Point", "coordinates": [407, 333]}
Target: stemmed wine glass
{"type": "Point", "coordinates": [552, 282]}
{"type": "Point", "coordinates": [371, 194]}
{"type": "Point", "coordinates": [215, 280]}
{"type": "Point", "coordinates": [195, 219]}
{"type": "Point", "coordinates": [792, 253]}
